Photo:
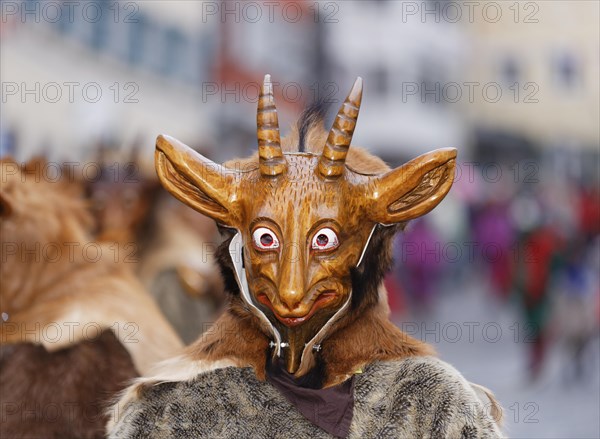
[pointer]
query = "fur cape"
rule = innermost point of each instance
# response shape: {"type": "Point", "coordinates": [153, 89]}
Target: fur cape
{"type": "Point", "coordinates": [76, 326]}
{"type": "Point", "coordinates": [418, 397]}
{"type": "Point", "coordinates": [217, 387]}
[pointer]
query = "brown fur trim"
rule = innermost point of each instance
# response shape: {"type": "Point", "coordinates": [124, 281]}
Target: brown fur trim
{"type": "Point", "coordinates": [236, 334]}
{"type": "Point", "coordinates": [359, 339]}
{"type": "Point", "coordinates": [364, 337]}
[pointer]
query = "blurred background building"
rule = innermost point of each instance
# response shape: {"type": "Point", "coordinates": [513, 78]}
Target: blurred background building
{"type": "Point", "coordinates": [503, 278]}
{"type": "Point", "coordinates": [402, 59]}
{"type": "Point", "coordinates": [93, 72]}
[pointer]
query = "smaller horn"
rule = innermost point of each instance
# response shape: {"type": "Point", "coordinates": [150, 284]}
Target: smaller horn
{"type": "Point", "coordinates": [333, 158]}
{"type": "Point", "coordinates": [271, 159]}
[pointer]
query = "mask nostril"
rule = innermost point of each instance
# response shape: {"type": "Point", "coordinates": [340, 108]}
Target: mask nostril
{"type": "Point", "coordinates": [290, 299]}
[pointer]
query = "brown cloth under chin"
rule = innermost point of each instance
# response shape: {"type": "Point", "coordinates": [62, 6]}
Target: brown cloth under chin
{"type": "Point", "coordinates": [331, 408]}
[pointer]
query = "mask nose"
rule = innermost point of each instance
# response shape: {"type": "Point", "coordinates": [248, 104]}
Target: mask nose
{"type": "Point", "coordinates": [291, 282]}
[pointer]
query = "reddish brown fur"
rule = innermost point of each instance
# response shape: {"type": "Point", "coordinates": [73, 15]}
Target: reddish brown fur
{"type": "Point", "coordinates": [235, 334]}
{"type": "Point", "coordinates": [363, 337]}
{"type": "Point", "coordinates": [370, 337]}
{"type": "Point", "coordinates": [62, 394]}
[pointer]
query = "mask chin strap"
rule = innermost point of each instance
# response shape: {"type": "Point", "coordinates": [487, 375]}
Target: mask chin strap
{"type": "Point", "coordinates": [235, 251]}
{"type": "Point", "coordinates": [313, 344]}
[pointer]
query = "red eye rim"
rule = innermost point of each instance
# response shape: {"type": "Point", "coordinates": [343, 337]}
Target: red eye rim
{"type": "Point", "coordinates": [260, 239]}
{"type": "Point", "coordinates": [325, 239]}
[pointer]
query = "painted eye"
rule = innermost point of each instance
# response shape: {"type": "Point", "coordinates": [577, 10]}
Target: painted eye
{"type": "Point", "coordinates": [325, 239]}
{"type": "Point", "coordinates": [264, 239]}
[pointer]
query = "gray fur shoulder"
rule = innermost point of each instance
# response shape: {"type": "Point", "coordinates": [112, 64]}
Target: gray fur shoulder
{"type": "Point", "coordinates": [423, 397]}
{"type": "Point", "coordinates": [414, 397]}
{"type": "Point", "coordinates": [223, 403]}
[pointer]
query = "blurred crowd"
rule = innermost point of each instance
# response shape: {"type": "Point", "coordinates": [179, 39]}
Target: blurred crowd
{"type": "Point", "coordinates": [535, 248]}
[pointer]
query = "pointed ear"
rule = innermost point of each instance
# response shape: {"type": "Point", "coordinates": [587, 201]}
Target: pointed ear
{"type": "Point", "coordinates": [414, 188]}
{"type": "Point", "coordinates": [196, 181]}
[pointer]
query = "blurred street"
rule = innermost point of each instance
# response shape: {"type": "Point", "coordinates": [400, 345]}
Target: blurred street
{"type": "Point", "coordinates": [553, 407]}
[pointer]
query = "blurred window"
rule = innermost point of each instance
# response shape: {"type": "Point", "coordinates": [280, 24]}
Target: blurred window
{"type": "Point", "coordinates": [430, 74]}
{"type": "Point", "coordinates": [136, 40]}
{"type": "Point", "coordinates": [206, 48]}
{"type": "Point", "coordinates": [100, 24]}
{"type": "Point", "coordinates": [566, 70]}
{"type": "Point", "coordinates": [510, 71]}
{"type": "Point", "coordinates": [175, 53]}
{"type": "Point", "coordinates": [380, 78]}
{"type": "Point", "coordinates": [65, 24]}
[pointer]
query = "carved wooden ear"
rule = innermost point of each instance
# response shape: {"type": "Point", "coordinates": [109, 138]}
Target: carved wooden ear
{"type": "Point", "coordinates": [195, 180]}
{"type": "Point", "coordinates": [414, 188]}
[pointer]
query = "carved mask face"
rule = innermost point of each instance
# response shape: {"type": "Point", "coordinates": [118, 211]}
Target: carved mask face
{"type": "Point", "coordinates": [304, 220]}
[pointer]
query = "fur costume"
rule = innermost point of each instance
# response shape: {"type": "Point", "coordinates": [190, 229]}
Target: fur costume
{"type": "Point", "coordinates": [306, 348]}
{"type": "Point", "coordinates": [414, 397]}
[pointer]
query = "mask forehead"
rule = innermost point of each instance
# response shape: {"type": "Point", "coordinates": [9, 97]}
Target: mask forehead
{"type": "Point", "coordinates": [300, 197]}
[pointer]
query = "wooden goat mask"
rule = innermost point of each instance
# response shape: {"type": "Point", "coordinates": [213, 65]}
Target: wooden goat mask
{"type": "Point", "coordinates": [303, 220]}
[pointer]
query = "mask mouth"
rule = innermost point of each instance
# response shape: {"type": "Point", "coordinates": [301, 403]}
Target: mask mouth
{"type": "Point", "coordinates": [324, 299]}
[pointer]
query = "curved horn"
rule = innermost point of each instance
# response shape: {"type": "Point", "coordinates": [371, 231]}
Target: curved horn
{"type": "Point", "coordinates": [270, 155]}
{"type": "Point", "coordinates": [331, 163]}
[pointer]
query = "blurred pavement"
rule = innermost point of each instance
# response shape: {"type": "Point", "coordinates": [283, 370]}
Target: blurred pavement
{"type": "Point", "coordinates": [477, 337]}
